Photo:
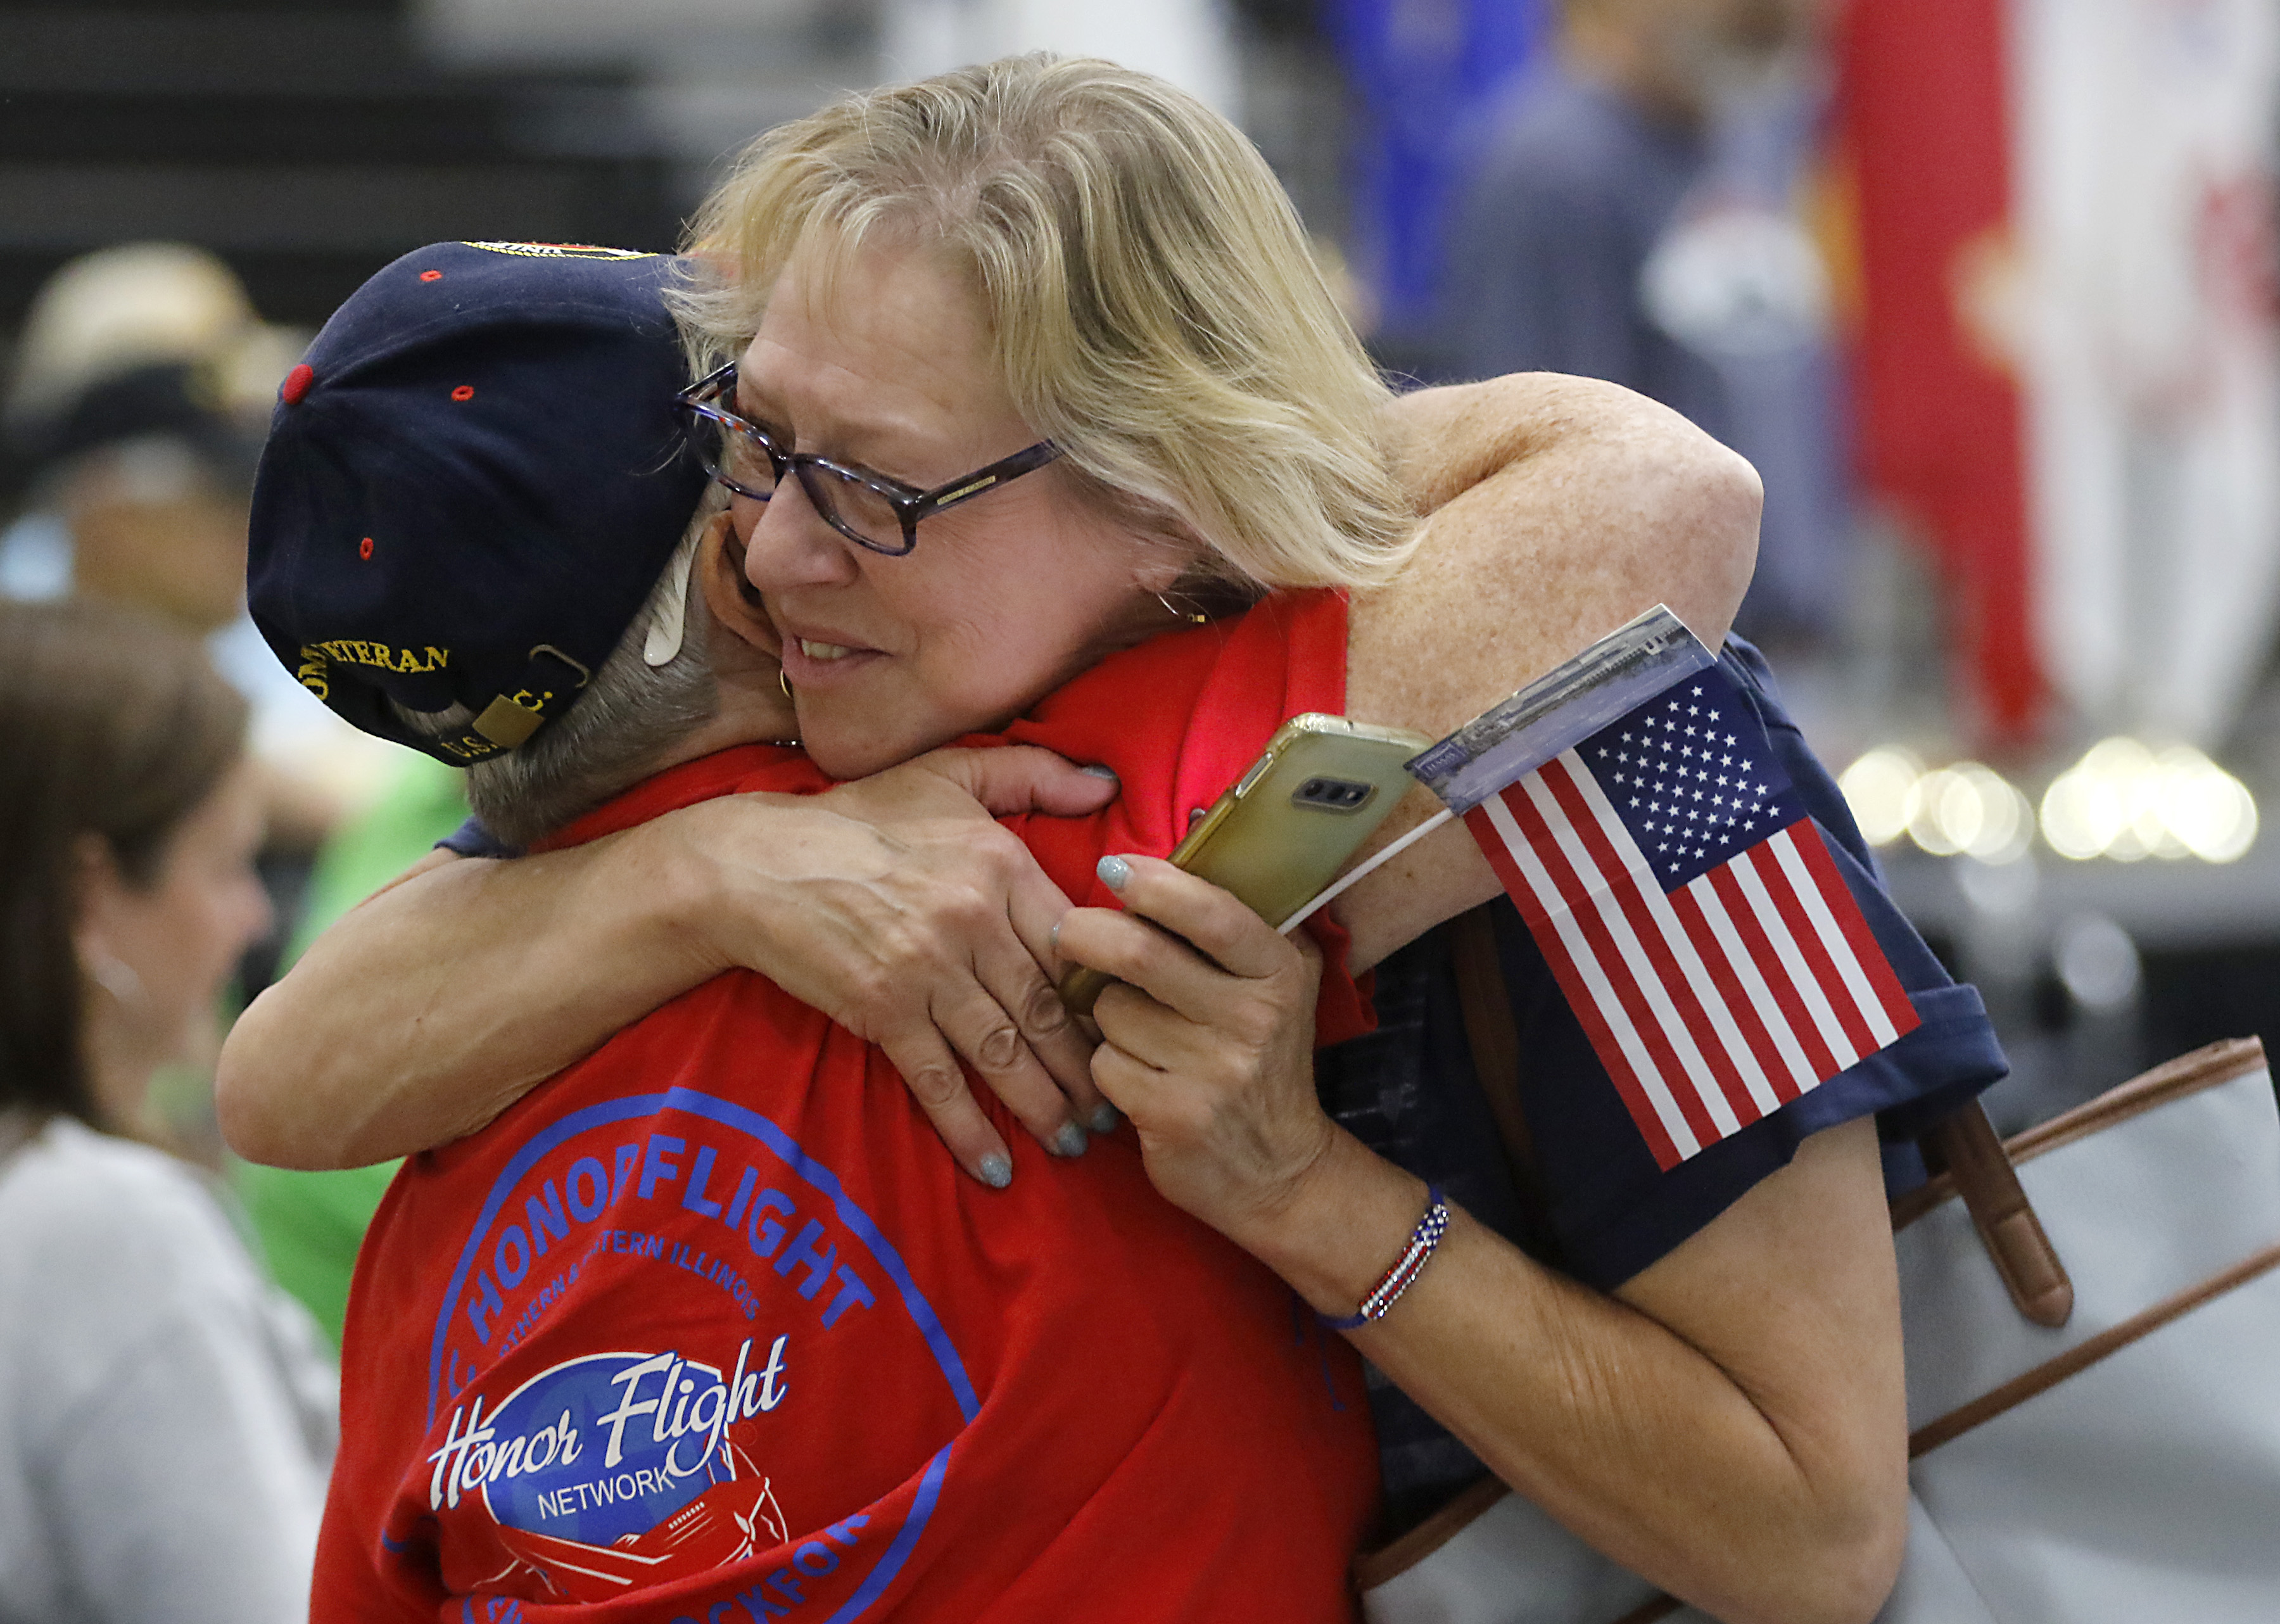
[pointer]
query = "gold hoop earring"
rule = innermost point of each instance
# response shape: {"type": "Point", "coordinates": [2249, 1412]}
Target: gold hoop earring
{"type": "Point", "coordinates": [784, 682]}
{"type": "Point", "coordinates": [1192, 616]}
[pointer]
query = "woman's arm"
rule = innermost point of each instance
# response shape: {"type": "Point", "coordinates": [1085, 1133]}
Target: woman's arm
{"type": "Point", "coordinates": [426, 1011]}
{"type": "Point", "coordinates": [897, 905]}
{"type": "Point", "coordinates": [1560, 508]}
{"type": "Point", "coordinates": [1729, 1423]}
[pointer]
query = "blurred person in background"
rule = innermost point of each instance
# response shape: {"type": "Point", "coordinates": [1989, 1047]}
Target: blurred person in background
{"type": "Point", "coordinates": [1640, 218]}
{"type": "Point", "coordinates": [166, 1422]}
{"type": "Point", "coordinates": [132, 421]}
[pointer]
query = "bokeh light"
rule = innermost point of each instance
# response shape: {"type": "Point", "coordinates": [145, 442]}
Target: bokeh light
{"type": "Point", "coordinates": [2125, 802]}
{"type": "Point", "coordinates": [1972, 809]}
{"type": "Point", "coordinates": [2122, 800]}
{"type": "Point", "coordinates": [1881, 788]}
{"type": "Point", "coordinates": [1968, 809]}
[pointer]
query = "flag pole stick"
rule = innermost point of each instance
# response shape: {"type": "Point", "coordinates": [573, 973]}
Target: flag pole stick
{"type": "Point", "coordinates": [1384, 857]}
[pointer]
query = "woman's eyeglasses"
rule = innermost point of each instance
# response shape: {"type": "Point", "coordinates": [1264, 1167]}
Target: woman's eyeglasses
{"type": "Point", "coordinates": [868, 509]}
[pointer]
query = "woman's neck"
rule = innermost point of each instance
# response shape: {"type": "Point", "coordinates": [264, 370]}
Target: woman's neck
{"type": "Point", "coordinates": [119, 1064]}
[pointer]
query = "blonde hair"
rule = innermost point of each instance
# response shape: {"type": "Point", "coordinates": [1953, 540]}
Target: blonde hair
{"type": "Point", "coordinates": [1148, 288]}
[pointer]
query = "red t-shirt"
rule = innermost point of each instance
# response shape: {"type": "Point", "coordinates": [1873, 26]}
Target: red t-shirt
{"type": "Point", "coordinates": [710, 1327]}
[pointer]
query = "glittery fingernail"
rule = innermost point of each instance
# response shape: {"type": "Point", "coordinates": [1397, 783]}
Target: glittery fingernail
{"type": "Point", "coordinates": [997, 1170]}
{"type": "Point", "coordinates": [1104, 1120]}
{"type": "Point", "coordinates": [1095, 770]}
{"type": "Point", "coordinates": [1069, 1142]}
{"type": "Point", "coordinates": [1114, 872]}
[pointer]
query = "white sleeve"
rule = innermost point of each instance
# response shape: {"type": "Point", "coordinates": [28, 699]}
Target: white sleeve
{"type": "Point", "coordinates": [173, 1418]}
{"type": "Point", "coordinates": [185, 1491]}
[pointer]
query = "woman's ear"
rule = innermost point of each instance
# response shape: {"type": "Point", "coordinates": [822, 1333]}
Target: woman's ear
{"type": "Point", "coordinates": [1166, 560]}
{"type": "Point", "coordinates": [99, 893]}
{"type": "Point", "coordinates": [735, 602]}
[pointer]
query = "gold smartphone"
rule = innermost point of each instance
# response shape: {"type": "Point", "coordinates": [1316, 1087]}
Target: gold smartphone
{"type": "Point", "coordinates": [1293, 820]}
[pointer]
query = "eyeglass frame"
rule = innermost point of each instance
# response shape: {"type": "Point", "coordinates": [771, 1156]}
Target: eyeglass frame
{"type": "Point", "coordinates": [698, 404]}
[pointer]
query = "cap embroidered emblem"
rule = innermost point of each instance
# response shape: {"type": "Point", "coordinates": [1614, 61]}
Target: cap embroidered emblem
{"type": "Point", "coordinates": [363, 548]}
{"type": "Point", "coordinates": [297, 384]}
{"type": "Point", "coordinates": [562, 251]}
{"type": "Point", "coordinates": [466, 391]}
{"type": "Point", "coordinates": [431, 276]}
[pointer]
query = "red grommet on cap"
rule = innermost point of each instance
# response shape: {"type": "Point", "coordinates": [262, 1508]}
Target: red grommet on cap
{"type": "Point", "coordinates": [431, 276]}
{"type": "Point", "coordinates": [297, 384]}
{"type": "Point", "coordinates": [363, 548]}
{"type": "Point", "coordinates": [466, 391]}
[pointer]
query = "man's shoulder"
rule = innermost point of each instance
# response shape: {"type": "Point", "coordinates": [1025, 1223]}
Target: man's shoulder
{"type": "Point", "coordinates": [738, 770]}
{"type": "Point", "coordinates": [719, 1034]}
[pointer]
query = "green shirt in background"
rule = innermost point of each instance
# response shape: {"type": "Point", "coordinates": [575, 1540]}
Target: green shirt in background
{"type": "Point", "coordinates": [310, 1224]}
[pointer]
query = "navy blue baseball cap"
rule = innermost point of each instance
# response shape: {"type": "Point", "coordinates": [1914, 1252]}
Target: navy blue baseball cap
{"type": "Point", "coordinates": [471, 485]}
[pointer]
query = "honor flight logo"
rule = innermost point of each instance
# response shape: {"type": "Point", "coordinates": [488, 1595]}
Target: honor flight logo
{"type": "Point", "coordinates": [660, 1294]}
{"type": "Point", "coordinates": [600, 1469]}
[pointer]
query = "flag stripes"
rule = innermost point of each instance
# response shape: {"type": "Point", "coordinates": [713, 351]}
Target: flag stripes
{"type": "Point", "coordinates": [1713, 1005]}
{"type": "Point", "coordinates": [1589, 991]}
{"type": "Point", "coordinates": [1747, 1088]}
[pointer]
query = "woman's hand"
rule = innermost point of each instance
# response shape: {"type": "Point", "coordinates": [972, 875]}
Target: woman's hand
{"type": "Point", "coordinates": [899, 907]}
{"type": "Point", "coordinates": [1208, 1045]}
{"type": "Point", "coordinates": [895, 905]}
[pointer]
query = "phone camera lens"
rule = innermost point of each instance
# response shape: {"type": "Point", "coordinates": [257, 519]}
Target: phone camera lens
{"type": "Point", "coordinates": [1333, 793]}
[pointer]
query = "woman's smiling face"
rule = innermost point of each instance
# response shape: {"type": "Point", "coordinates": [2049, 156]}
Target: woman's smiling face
{"type": "Point", "coordinates": [1004, 598]}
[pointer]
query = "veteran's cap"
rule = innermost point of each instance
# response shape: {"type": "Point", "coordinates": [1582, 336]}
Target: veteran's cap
{"type": "Point", "coordinates": [471, 484]}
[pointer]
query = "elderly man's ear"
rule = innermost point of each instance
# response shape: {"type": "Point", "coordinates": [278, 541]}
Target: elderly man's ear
{"type": "Point", "coordinates": [735, 602]}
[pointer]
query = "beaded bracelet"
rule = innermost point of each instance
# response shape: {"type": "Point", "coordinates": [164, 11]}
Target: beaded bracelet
{"type": "Point", "coordinates": [1405, 1268]}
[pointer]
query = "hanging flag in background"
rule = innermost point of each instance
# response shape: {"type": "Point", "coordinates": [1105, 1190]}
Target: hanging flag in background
{"type": "Point", "coordinates": [1923, 151]}
{"type": "Point", "coordinates": [1427, 76]}
{"type": "Point", "coordinates": [2067, 364]}
{"type": "Point", "coordinates": [1635, 811]}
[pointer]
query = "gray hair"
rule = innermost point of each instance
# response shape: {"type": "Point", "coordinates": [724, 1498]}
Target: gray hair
{"type": "Point", "coordinates": [630, 715]}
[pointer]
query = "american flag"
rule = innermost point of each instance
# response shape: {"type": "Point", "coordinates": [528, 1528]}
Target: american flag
{"type": "Point", "coordinates": [1698, 925]}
